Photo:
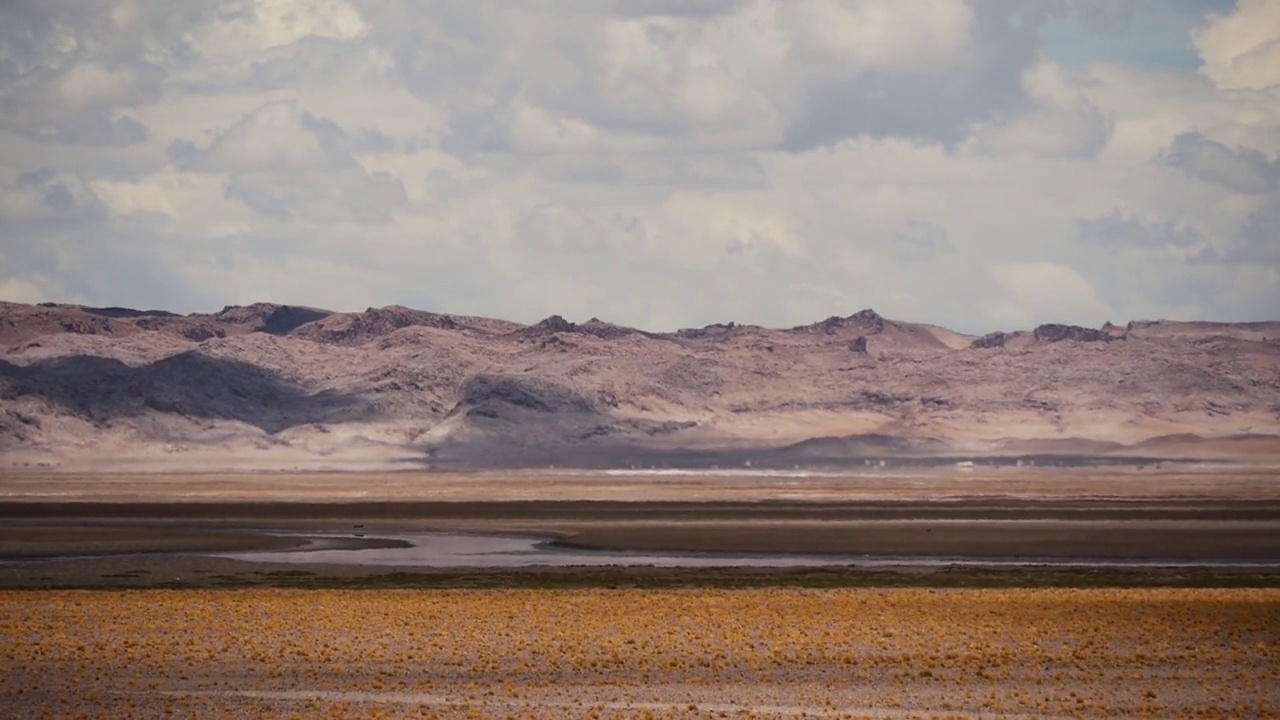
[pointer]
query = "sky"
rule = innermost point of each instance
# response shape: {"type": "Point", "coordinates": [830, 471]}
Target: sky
{"type": "Point", "coordinates": [981, 164]}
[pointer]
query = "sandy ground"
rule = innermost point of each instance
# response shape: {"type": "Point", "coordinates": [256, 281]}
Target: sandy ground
{"type": "Point", "coordinates": [764, 653]}
{"type": "Point", "coordinates": [1170, 481]}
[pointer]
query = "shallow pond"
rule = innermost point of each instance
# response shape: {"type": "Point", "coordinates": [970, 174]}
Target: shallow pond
{"type": "Point", "coordinates": [459, 550]}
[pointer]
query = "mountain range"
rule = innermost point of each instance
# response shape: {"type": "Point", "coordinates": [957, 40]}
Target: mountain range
{"type": "Point", "coordinates": [281, 386]}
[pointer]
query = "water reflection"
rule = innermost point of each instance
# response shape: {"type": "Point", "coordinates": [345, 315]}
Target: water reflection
{"type": "Point", "coordinates": [464, 550]}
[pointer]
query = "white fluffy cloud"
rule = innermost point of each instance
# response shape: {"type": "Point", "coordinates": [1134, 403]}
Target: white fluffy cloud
{"type": "Point", "coordinates": [1044, 289]}
{"type": "Point", "coordinates": [653, 162]}
{"type": "Point", "coordinates": [1241, 49]}
{"type": "Point", "coordinates": [1064, 122]}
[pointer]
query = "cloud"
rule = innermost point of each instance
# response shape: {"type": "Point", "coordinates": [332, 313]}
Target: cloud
{"type": "Point", "coordinates": [278, 135]}
{"type": "Point", "coordinates": [259, 26]}
{"type": "Point", "coordinates": [718, 171]}
{"type": "Point", "coordinates": [1061, 122]}
{"type": "Point", "coordinates": [1243, 170]}
{"type": "Point", "coordinates": [970, 70]}
{"type": "Point", "coordinates": [920, 241]}
{"type": "Point", "coordinates": [78, 103]}
{"type": "Point", "coordinates": [1120, 230]}
{"type": "Point", "coordinates": [918, 39]}
{"type": "Point", "coordinates": [753, 74]}
{"type": "Point", "coordinates": [1185, 271]}
{"type": "Point", "coordinates": [1258, 242]}
{"type": "Point", "coordinates": [48, 194]}
{"type": "Point", "coordinates": [289, 165]}
{"type": "Point", "coordinates": [1042, 289]}
{"type": "Point", "coordinates": [1241, 49]}
{"type": "Point", "coordinates": [349, 195]}
{"type": "Point", "coordinates": [654, 162]}
{"type": "Point", "coordinates": [22, 290]}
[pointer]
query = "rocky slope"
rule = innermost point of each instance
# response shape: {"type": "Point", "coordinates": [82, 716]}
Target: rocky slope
{"type": "Point", "coordinates": [274, 385]}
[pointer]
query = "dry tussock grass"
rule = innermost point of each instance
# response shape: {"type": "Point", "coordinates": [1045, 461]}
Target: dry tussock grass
{"type": "Point", "coordinates": [635, 654]}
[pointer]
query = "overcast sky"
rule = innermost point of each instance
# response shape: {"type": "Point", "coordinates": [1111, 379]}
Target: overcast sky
{"type": "Point", "coordinates": [662, 163]}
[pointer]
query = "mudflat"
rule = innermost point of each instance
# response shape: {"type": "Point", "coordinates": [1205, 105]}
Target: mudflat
{"type": "Point", "coordinates": [82, 531]}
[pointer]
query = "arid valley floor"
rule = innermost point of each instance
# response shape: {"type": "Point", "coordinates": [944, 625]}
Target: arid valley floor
{"type": "Point", "coordinates": [996, 592]}
{"type": "Point", "coordinates": [687, 653]}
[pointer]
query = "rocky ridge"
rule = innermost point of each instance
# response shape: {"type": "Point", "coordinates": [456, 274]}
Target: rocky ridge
{"type": "Point", "coordinates": [290, 385]}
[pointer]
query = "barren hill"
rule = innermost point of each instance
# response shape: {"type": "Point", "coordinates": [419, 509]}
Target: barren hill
{"type": "Point", "coordinates": [278, 385]}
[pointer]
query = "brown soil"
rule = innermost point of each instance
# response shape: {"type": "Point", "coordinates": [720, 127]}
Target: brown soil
{"type": "Point", "coordinates": [689, 653]}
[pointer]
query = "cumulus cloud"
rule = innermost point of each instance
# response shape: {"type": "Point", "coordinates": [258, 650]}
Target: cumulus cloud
{"type": "Point", "coordinates": [1060, 122]}
{"type": "Point", "coordinates": [1258, 242]}
{"type": "Point", "coordinates": [49, 194]}
{"type": "Point", "coordinates": [259, 26]}
{"type": "Point", "coordinates": [1046, 289]}
{"type": "Point", "coordinates": [22, 290]}
{"type": "Point", "coordinates": [1243, 170]}
{"type": "Point", "coordinates": [1123, 230]}
{"type": "Point", "coordinates": [278, 135]}
{"type": "Point", "coordinates": [291, 165]}
{"type": "Point", "coordinates": [77, 103]}
{"type": "Point", "coordinates": [1169, 266]}
{"type": "Point", "coordinates": [654, 162]}
{"type": "Point", "coordinates": [1241, 49]}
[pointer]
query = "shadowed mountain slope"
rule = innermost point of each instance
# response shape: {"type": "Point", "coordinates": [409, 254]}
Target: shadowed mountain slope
{"type": "Point", "coordinates": [396, 382]}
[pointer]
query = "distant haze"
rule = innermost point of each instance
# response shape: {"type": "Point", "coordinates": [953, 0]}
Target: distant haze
{"type": "Point", "coordinates": [655, 163]}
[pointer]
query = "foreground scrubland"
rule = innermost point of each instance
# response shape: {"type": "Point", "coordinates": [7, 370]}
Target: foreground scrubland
{"type": "Point", "coordinates": [640, 653]}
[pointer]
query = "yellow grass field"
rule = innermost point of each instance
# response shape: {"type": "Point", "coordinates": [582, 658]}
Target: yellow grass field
{"type": "Point", "coordinates": [696, 653]}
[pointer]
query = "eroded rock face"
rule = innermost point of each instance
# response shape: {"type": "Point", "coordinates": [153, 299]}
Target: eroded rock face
{"type": "Point", "coordinates": [830, 326]}
{"type": "Point", "coordinates": [496, 395]}
{"type": "Point", "coordinates": [1044, 334]}
{"type": "Point", "coordinates": [87, 326]}
{"type": "Point", "coordinates": [200, 332]}
{"type": "Point", "coordinates": [374, 323]}
{"type": "Point", "coordinates": [990, 340]}
{"type": "Point", "coordinates": [1053, 332]}
{"type": "Point", "coordinates": [604, 330]}
{"type": "Point", "coordinates": [868, 320]}
{"type": "Point", "coordinates": [555, 324]}
{"type": "Point", "coordinates": [714, 331]}
{"type": "Point", "coordinates": [1115, 331]}
{"type": "Point", "coordinates": [73, 377]}
{"type": "Point", "coordinates": [269, 318]}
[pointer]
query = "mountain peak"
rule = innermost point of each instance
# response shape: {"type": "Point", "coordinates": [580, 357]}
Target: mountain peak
{"type": "Point", "coordinates": [75, 380]}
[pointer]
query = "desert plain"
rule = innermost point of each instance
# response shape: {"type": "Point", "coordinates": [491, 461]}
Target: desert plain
{"type": "Point", "coordinates": [632, 653]}
{"type": "Point", "coordinates": [951, 592]}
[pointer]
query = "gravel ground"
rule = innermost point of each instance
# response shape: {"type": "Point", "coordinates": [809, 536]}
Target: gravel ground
{"type": "Point", "coordinates": [695, 653]}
